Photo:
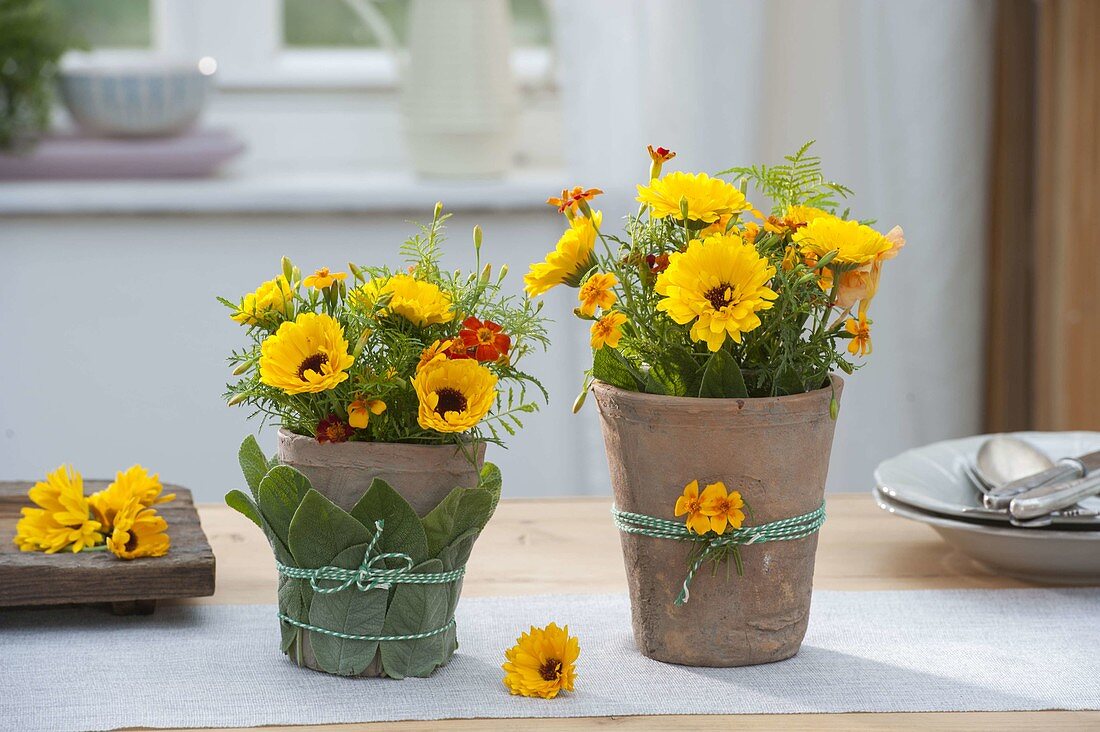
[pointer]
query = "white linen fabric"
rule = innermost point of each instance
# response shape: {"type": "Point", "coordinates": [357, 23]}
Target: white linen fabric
{"type": "Point", "coordinates": [897, 96]}
{"type": "Point", "coordinates": [220, 666]}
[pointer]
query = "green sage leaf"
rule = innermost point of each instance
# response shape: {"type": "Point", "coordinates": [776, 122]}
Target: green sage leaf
{"type": "Point", "coordinates": [243, 504]}
{"type": "Point", "coordinates": [416, 609]}
{"type": "Point", "coordinates": [320, 530]}
{"type": "Point", "coordinates": [349, 611]}
{"type": "Point", "coordinates": [611, 367]}
{"type": "Point", "coordinates": [403, 531]}
{"type": "Point", "coordinates": [253, 464]}
{"type": "Point", "coordinates": [722, 378]}
{"type": "Point", "coordinates": [279, 496]}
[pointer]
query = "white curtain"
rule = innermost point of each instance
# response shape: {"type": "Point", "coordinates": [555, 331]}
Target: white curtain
{"type": "Point", "coordinates": [897, 96]}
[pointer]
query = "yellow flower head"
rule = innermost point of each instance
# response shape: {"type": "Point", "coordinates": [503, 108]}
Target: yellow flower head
{"type": "Point", "coordinates": [571, 259]}
{"type": "Point", "coordinates": [855, 243]}
{"type": "Point", "coordinates": [720, 283]}
{"type": "Point", "coordinates": [419, 302]}
{"type": "Point", "coordinates": [307, 355]}
{"type": "Point", "coordinates": [721, 507]}
{"type": "Point", "coordinates": [454, 395]}
{"type": "Point", "coordinates": [596, 292]}
{"type": "Point", "coordinates": [542, 663]}
{"type": "Point", "coordinates": [322, 278]}
{"type": "Point", "coordinates": [269, 298]}
{"type": "Point", "coordinates": [62, 518]}
{"type": "Point", "coordinates": [608, 330]}
{"type": "Point", "coordinates": [139, 532]}
{"type": "Point", "coordinates": [860, 331]}
{"type": "Point", "coordinates": [435, 352]}
{"type": "Point", "coordinates": [802, 215]}
{"type": "Point", "coordinates": [134, 482]}
{"type": "Point", "coordinates": [360, 410]}
{"type": "Point", "coordinates": [707, 198]}
{"type": "Point", "coordinates": [691, 504]}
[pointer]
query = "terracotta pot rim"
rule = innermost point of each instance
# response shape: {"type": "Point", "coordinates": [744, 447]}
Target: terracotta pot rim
{"type": "Point", "coordinates": [300, 440]}
{"type": "Point", "coordinates": [796, 402]}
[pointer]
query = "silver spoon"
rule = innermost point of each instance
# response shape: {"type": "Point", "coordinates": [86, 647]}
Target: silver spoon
{"type": "Point", "coordinates": [1003, 459]}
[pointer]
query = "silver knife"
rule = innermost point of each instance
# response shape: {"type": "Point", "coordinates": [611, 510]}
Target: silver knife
{"type": "Point", "coordinates": [1049, 498]}
{"type": "Point", "coordinates": [1064, 470]}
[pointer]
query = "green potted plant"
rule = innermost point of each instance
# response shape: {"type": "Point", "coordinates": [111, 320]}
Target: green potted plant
{"type": "Point", "coordinates": [387, 385]}
{"type": "Point", "coordinates": [716, 331]}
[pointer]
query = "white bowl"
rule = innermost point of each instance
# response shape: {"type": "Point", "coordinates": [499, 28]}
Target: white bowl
{"type": "Point", "coordinates": [1037, 555]}
{"type": "Point", "coordinates": [156, 98]}
{"type": "Point", "coordinates": [933, 477]}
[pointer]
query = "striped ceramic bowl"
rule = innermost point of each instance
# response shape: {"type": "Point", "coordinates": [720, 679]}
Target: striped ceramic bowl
{"type": "Point", "coordinates": [155, 98]}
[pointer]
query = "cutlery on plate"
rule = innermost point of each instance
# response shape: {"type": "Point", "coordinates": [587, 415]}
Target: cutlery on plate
{"type": "Point", "coordinates": [1052, 497]}
{"type": "Point", "coordinates": [1066, 469]}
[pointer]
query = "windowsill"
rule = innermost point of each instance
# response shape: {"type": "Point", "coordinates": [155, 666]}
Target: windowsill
{"type": "Point", "coordinates": [286, 193]}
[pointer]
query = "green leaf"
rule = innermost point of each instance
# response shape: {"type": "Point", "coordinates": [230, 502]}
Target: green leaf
{"type": "Point", "coordinates": [457, 553]}
{"type": "Point", "coordinates": [722, 378]}
{"type": "Point", "coordinates": [654, 385]}
{"type": "Point", "coordinates": [242, 503]}
{"type": "Point", "coordinates": [403, 531]}
{"type": "Point", "coordinates": [279, 495]}
{"type": "Point", "coordinates": [611, 367]}
{"type": "Point", "coordinates": [320, 530]}
{"type": "Point", "coordinates": [253, 463]}
{"type": "Point", "coordinates": [463, 510]}
{"type": "Point", "coordinates": [416, 609]}
{"type": "Point", "coordinates": [294, 600]}
{"type": "Point", "coordinates": [349, 611]}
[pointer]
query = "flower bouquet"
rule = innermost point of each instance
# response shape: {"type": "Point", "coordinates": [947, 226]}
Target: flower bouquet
{"type": "Point", "coordinates": [716, 332]}
{"type": "Point", "coordinates": [386, 385]}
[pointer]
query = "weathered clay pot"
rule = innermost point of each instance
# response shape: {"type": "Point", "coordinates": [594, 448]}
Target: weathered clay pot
{"type": "Point", "coordinates": [422, 474]}
{"type": "Point", "coordinates": [342, 472]}
{"type": "Point", "coordinates": [775, 451]}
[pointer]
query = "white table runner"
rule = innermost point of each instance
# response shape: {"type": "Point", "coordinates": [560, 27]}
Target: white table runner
{"type": "Point", "coordinates": [219, 666]}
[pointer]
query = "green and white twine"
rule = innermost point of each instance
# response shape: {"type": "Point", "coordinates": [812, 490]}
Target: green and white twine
{"type": "Point", "coordinates": [372, 574]}
{"type": "Point", "coordinates": [787, 529]}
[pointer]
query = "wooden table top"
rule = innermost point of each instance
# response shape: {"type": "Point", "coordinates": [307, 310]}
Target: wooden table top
{"type": "Point", "coordinates": [861, 548]}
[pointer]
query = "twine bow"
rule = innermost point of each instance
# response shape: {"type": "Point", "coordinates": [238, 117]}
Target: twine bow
{"type": "Point", "coordinates": [787, 529]}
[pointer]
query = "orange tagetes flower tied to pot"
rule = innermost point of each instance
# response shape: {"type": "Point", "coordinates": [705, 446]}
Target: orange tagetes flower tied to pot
{"type": "Point", "coordinates": [120, 518]}
{"type": "Point", "coordinates": [376, 354]}
{"type": "Point", "coordinates": [703, 294]}
{"type": "Point", "coordinates": [542, 663]}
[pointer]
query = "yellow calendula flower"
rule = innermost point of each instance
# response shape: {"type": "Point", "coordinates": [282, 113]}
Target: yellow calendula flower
{"type": "Point", "coordinates": [597, 292]}
{"type": "Point", "coordinates": [721, 507]}
{"type": "Point", "coordinates": [691, 504]}
{"type": "Point", "coordinates": [707, 198]}
{"type": "Point", "coordinates": [571, 259]}
{"type": "Point", "coordinates": [62, 518]}
{"type": "Point", "coordinates": [134, 482]}
{"type": "Point", "coordinates": [419, 302]}
{"type": "Point", "coordinates": [270, 297]}
{"type": "Point", "coordinates": [307, 355]}
{"type": "Point", "coordinates": [855, 243]}
{"type": "Point", "coordinates": [608, 330]}
{"type": "Point", "coordinates": [718, 284]}
{"type": "Point", "coordinates": [139, 532]}
{"type": "Point", "coordinates": [542, 663]}
{"type": "Point", "coordinates": [322, 278]}
{"type": "Point", "coordinates": [802, 215]}
{"type": "Point", "coordinates": [454, 395]}
{"type": "Point", "coordinates": [360, 410]}
{"type": "Point", "coordinates": [860, 344]}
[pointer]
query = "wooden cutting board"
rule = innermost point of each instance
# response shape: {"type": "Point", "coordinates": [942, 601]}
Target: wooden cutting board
{"type": "Point", "coordinates": [37, 578]}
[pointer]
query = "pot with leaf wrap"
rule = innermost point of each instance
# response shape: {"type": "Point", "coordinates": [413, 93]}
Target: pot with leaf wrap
{"type": "Point", "coordinates": [370, 566]}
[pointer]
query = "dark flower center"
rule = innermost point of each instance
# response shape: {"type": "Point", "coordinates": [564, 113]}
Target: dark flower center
{"type": "Point", "coordinates": [450, 400]}
{"type": "Point", "coordinates": [550, 670]}
{"type": "Point", "coordinates": [132, 542]}
{"type": "Point", "coordinates": [720, 296]}
{"type": "Point", "coordinates": [312, 363]}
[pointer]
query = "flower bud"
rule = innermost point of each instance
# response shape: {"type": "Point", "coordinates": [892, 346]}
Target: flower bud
{"type": "Point", "coordinates": [824, 261]}
{"type": "Point", "coordinates": [503, 273]}
{"type": "Point", "coordinates": [438, 210]}
{"type": "Point", "coordinates": [288, 269]}
{"type": "Point", "coordinates": [684, 208]}
{"type": "Point", "coordinates": [243, 368]}
{"type": "Point", "coordinates": [486, 273]}
{"type": "Point", "coordinates": [237, 399]}
{"type": "Point", "coordinates": [361, 343]}
{"type": "Point", "coordinates": [477, 238]}
{"type": "Point", "coordinates": [579, 401]}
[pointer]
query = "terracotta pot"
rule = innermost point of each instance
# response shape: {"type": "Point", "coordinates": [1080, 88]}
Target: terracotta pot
{"type": "Point", "coordinates": [422, 474]}
{"type": "Point", "coordinates": [342, 472]}
{"type": "Point", "coordinates": [775, 451]}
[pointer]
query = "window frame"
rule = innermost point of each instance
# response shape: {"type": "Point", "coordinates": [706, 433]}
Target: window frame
{"type": "Point", "coordinates": [256, 59]}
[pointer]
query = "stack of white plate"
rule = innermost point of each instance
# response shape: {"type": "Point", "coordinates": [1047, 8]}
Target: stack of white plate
{"type": "Point", "coordinates": [930, 484]}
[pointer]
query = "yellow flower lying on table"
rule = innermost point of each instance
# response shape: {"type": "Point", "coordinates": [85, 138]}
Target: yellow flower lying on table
{"type": "Point", "coordinates": [542, 663]}
{"type": "Point", "coordinates": [66, 519]}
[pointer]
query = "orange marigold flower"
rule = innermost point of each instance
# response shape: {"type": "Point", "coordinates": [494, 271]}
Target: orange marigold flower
{"type": "Point", "coordinates": [571, 200]}
{"type": "Point", "coordinates": [484, 339]}
{"type": "Point", "coordinates": [457, 350]}
{"type": "Point", "coordinates": [657, 263]}
{"type": "Point", "coordinates": [333, 429]}
{"type": "Point", "coordinates": [360, 410]}
{"type": "Point", "coordinates": [660, 154]}
{"type": "Point", "coordinates": [860, 331]}
{"type": "Point", "coordinates": [691, 504]}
